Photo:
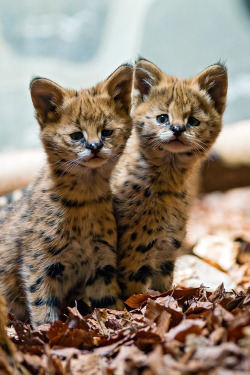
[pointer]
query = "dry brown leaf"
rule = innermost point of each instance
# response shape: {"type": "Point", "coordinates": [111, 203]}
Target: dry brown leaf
{"type": "Point", "coordinates": [186, 327]}
{"type": "Point", "coordinates": [199, 307]}
{"type": "Point", "coordinates": [157, 317]}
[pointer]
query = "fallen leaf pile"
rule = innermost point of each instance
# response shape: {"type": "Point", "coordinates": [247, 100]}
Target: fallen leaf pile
{"type": "Point", "coordinates": [183, 331]}
{"type": "Point", "coordinates": [187, 330]}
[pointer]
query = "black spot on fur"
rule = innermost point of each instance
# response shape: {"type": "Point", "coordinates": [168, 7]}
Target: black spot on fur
{"type": "Point", "coordinates": [108, 273]}
{"type": "Point", "coordinates": [107, 244]}
{"type": "Point", "coordinates": [136, 187]}
{"type": "Point", "coordinates": [141, 275]}
{"type": "Point", "coordinates": [147, 192]}
{"type": "Point", "coordinates": [33, 288]}
{"type": "Point", "coordinates": [39, 302]}
{"type": "Point", "coordinates": [176, 243]}
{"type": "Point", "coordinates": [59, 172]}
{"type": "Point", "coordinates": [54, 197]}
{"type": "Point", "coordinates": [167, 268]}
{"type": "Point", "coordinates": [144, 249]}
{"type": "Point", "coordinates": [72, 203]}
{"type": "Point", "coordinates": [55, 251]}
{"type": "Point", "coordinates": [53, 302]}
{"type": "Point", "coordinates": [48, 239]}
{"type": "Point", "coordinates": [133, 236]}
{"type": "Point", "coordinates": [54, 270]}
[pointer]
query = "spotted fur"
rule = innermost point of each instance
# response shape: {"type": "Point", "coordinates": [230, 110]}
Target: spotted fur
{"type": "Point", "coordinates": [59, 241]}
{"type": "Point", "coordinates": [155, 179]}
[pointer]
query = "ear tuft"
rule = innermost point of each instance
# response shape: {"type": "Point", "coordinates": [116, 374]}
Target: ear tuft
{"type": "Point", "coordinates": [214, 81]}
{"type": "Point", "coordinates": [119, 87]}
{"type": "Point", "coordinates": [146, 76]}
{"type": "Point", "coordinates": [46, 96]}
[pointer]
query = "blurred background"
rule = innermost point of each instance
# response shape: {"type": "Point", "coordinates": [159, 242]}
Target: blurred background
{"type": "Point", "coordinates": [77, 43]}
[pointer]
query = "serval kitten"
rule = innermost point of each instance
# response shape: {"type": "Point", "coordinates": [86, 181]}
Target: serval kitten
{"type": "Point", "coordinates": [176, 121]}
{"type": "Point", "coordinates": [59, 241]}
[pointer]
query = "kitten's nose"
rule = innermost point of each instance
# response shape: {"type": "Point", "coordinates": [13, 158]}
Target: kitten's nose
{"type": "Point", "coordinates": [177, 129]}
{"type": "Point", "coordinates": [94, 147]}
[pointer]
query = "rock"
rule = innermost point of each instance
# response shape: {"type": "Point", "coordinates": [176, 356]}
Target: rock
{"type": "Point", "coordinates": [219, 249]}
{"type": "Point", "coordinates": [190, 271]}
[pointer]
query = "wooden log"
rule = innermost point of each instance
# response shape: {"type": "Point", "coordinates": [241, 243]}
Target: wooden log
{"type": "Point", "coordinates": [18, 169]}
{"type": "Point", "coordinates": [228, 165]}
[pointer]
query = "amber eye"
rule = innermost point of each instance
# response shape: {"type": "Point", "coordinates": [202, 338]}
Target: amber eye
{"type": "Point", "coordinates": [107, 132]}
{"type": "Point", "coordinates": [193, 121]}
{"type": "Point", "coordinates": [76, 136]}
{"type": "Point", "coordinates": [163, 119]}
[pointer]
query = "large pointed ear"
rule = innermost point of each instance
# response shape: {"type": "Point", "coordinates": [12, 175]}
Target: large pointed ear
{"type": "Point", "coordinates": [119, 86]}
{"type": "Point", "coordinates": [215, 82]}
{"type": "Point", "coordinates": [46, 96]}
{"type": "Point", "coordinates": [146, 76]}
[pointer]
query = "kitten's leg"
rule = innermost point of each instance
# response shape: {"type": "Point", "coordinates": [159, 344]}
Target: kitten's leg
{"type": "Point", "coordinates": [12, 287]}
{"type": "Point", "coordinates": [102, 288]}
{"type": "Point", "coordinates": [163, 277]}
{"type": "Point", "coordinates": [134, 277]}
{"type": "Point", "coordinates": [16, 299]}
{"type": "Point", "coordinates": [45, 292]}
{"type": "Point", "coordinates": [44, 304]}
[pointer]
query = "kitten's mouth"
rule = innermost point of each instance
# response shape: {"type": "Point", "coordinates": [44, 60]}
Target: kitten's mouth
{"type": "Point", "coordinates": [94, 161]}
{"type": "Point", "coordinates": [177, 141]}
{"type": "Point", "coordinates": [176, 145]}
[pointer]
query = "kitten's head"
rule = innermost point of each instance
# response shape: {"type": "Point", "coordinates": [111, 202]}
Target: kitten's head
{"type": "Point", "coordinates": [181, 116]}
{"type": "Point", "coordinates": [86, 128]}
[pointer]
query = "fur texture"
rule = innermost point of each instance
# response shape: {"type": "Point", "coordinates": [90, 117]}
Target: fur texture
{"type": "Point", "coordinates": [58, 243]}
{"type": "Point", "coordinates": [176, 121]}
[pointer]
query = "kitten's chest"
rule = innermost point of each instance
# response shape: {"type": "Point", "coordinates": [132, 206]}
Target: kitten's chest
{"type": "Point", "coordinates": [154, 211]}
{"type": "Point", "coordinates": [92, 223]}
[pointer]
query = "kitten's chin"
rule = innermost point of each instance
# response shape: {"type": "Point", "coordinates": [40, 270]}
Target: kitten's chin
{"type": "Point", "coordinates": [94, 162]}
{"type": "Point", "coordinates": [176, 147]}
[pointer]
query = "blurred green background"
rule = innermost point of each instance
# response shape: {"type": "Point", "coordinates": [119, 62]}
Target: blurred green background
{"type": "Point", "coordinates": [76, 43]}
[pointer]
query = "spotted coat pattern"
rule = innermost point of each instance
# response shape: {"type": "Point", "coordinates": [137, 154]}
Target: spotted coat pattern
{"type": "Point", "coordinates": [176, 121]}
{"type": "Point", "coordinates": [59, 241]}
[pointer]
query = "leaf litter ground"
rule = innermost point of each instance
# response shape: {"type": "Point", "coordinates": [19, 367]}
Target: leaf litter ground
{"type": "Point", "coordinates": [187, 330]}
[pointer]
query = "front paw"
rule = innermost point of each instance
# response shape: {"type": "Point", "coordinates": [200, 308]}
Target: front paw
{"type": "Point", "coordinates": [118, 305]}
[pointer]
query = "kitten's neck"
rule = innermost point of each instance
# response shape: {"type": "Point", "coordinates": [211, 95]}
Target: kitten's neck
{"type": "Point", "coordinates": [171, 169]}
{"type": "Point", "coordinates": [81, 183]}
